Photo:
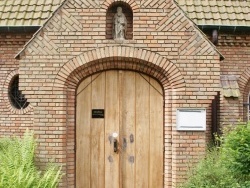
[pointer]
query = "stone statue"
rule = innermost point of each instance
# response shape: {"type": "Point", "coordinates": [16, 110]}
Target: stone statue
{"type": "Point", "coordinates": [119, 25]}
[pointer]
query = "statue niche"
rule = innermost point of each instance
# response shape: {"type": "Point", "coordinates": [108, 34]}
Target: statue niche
{"type": "Point", "coordinates": [119, 21]}
{"type": "Point", "coordinates": [119, 25]}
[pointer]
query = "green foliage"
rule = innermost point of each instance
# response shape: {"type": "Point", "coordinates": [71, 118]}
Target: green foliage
{"type": "Point", "coordinates": [227, 165]}
{"type": "Point", "coordinates": [17, 167]}
{"type": "Point", "coordinates": [210, 173]}
{"type": "Point", "coordinates": [236, 150]}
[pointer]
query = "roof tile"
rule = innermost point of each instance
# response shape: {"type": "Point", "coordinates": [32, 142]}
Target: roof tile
{"type": "Point", "coordinates": [26, 12]}
{"type": "Point", "coordinates": [212, 3]}
{"type": "Point", "coordinates": [218, 12]}
{"type": "Point", "coordinates": [203, 12]}
{"type": "Point", "coordinates": [205, 3]}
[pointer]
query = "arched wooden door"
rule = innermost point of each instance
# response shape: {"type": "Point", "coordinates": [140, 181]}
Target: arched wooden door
{"type": "Point", "coordinates": [128, 105]}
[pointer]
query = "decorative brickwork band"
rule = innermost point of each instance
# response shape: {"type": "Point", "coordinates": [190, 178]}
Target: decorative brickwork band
{"type": "Point", "coordinates": [119, 57]}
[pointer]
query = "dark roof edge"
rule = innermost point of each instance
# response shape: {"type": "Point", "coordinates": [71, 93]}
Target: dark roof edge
{"type": "Point", "coordinates": [18, 29]}
{"type": "Point", "coordinates": [225, 27]}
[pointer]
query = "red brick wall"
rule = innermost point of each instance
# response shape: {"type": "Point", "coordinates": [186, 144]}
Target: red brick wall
{"type": "Point", "coordinates": [49, 79]}
{"type": "Point", "coordinates": [12, 120]}
{"type": "Point", "coordinates": [235, 47]}
{"type": "Point", "coordinates": [73, 45]}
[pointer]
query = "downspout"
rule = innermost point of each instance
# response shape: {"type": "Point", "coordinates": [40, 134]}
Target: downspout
{"type": "Point", "coordinates": [215, 36]}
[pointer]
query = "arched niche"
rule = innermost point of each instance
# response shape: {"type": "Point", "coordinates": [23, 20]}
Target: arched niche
{"type": "Point", "coordinates": [110, 15]}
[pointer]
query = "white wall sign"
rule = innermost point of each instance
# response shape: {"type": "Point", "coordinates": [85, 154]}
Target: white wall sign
{"type": "Point", "coordinates": [191, 119]}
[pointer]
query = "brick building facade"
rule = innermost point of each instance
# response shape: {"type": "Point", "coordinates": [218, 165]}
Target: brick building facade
{"type": "Point", "coordinates": [162, 42]}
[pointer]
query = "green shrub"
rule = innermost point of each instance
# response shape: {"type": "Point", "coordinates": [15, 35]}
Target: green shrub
{"type": "Point", "coordinates": [210, 173]}
{"type": "Point", "coordinates": [17, 167]}
{"type": "Point", "coordinates": [236, 150]}
{"type": "Point", "coordinates": [227, 165]}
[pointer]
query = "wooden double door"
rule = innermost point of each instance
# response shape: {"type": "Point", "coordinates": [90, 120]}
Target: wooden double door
{"type": "Point", "coordinates": [119, 131]}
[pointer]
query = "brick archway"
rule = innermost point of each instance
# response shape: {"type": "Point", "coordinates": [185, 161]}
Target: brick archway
{"type": "Point", "coordinates": [125, 58]}
{"type": "Point", "coordinates": [132, 4]}
{"type": "Point", "coordinates": [136, 59]}
{"type": "Point", "coordinates": [244, 85]}
{"type": "Point", "coordinates": [244, 80]}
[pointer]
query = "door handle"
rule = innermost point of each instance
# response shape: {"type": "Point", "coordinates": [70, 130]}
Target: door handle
{"type": "Point", "coordinates": [115, 145]}
{"type": "Point", "coordinates": [115, 142]}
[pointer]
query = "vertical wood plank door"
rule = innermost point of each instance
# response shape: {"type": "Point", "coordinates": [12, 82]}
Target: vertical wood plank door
{"type": "Point", "coordinates": [128, 107]}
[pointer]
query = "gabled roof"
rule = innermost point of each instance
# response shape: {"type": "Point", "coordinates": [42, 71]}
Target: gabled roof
{"type": "Point", "coordinates": [217, 12]}
{"type": "Point", "coordinates": [26, 12]}
{"type": "Point", "coordinates": [202, 12]}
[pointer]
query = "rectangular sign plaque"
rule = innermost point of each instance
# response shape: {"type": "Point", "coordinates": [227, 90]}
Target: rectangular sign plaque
{"type": "Point", "coordinates": [191, 119]}
{"type": "Point", "coordinates": [97, 113]}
